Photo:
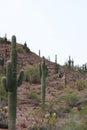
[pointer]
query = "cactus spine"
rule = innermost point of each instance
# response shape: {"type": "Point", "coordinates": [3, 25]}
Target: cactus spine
{"type": "Point", "coordinates": [43, 71]}
{"type": "Point", "coordinates": [11, 82]}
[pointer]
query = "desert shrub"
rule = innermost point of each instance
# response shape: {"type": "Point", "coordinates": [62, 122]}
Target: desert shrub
{"type": "Point", "coordinates": [31, 74]}
{"type": "Point", "coordinates": [34, 96]}
{"type": "Point", "coordinates": [36, 128]}
{"type": "Point", "coordinates": [46, 121]}
{"type": "Point", "coordinates": [83, 114]}
{"type": "Point", "coordinates": [55, 107]}
{"type": "Point", "coordinates": [72, 125]}
{"type": "Point", "coordinates": [48, 127]}
{"type": "Point", "coordinates": [20, 49]}
{"type": "Point", "coordinates": [81, 84]}
{"type": "Point", "coordinates": [73, 122]}
{"type": "Point", "coordinates": [70, 97]}
{"type": "Point", "coordinates": [82, 98]}
{"type": "Point", "coordinates": [59, 86]}
{"type": "Point", "coordinates": [1, 39]}
{"type": "Point", "coordinates": [51, 106]}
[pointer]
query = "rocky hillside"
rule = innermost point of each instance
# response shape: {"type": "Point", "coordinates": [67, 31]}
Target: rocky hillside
{"type": "Point", "coordinates": [28, 106]}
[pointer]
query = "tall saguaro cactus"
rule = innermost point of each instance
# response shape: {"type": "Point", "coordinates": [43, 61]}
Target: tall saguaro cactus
{"type": "Point", "coordinates": [56, 59]}
{"type": "Point", "coordinates": [43, 71]}
{"type": "Point", "coordinates": [11, 82]}
{"type": "Point", "coordinates": [69, 62]}
{"type": "Point", "coordinates": [56, 66]}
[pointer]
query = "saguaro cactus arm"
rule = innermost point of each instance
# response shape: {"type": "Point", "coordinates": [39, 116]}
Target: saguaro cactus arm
{"type": "Point", "coordinates": [20, 77]}
{"type": "Point", "coordinates": [39, 70]}
{"type": "Point", "coordinates": [4, 83]}
{"type": "Point", "coordinates": [7, 80]}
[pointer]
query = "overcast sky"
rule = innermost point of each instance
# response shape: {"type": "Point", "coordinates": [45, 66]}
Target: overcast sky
{"type": "Point", "coordinates": [53, 26]}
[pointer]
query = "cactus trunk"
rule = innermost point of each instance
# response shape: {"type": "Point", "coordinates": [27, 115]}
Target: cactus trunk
{"type": "Point", "coordinates": [12, 110]}
{"type": "Point", "coordinates": [12, 95]}
{"type": "Point", "coordinates": [43, 88]}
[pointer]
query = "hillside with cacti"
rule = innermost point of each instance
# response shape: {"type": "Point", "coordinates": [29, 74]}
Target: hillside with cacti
{"type": "Point", "coordinates": [37, 94]}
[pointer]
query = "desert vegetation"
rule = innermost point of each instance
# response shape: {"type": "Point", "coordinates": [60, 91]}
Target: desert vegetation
{"type": "Point", "coordinates": [49, 96]}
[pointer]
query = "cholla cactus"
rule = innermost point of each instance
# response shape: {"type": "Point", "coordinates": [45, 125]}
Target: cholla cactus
{"type": "Point", "coordinates": [10, 83]}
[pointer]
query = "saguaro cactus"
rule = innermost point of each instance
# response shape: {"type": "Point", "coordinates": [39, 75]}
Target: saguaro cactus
{"type": "Point", "coordinates": [56, 66]}
{"type": "Point", "coordinates": [69, 62]}
{"type": "Point", "coordinates": [39, 53]}
{"type": "Point", "coordinates": [11, 82]}
{"type": "Point", "coordinates": [72, 63]}
{"type": "Point", "coordinates": [55, 58]}
{"type": "Point", "coordinates": [43, 71]}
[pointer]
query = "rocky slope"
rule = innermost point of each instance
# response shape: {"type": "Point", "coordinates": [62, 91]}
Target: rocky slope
{"type": "Point", "coordinates": [55, 85]}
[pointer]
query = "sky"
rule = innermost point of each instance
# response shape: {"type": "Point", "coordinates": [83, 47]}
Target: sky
{"type": "Point", "coordinates": [55, 27]}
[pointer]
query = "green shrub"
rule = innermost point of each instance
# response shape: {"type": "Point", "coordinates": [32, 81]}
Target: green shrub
{"type": "Point", "coordinates": [83, 114]}
{"type": "Point", "coordinates": [70, 97]}
{"type": "Point", "coordinates": [31, 74]}
{"type": "Point", "coordinates": [20, 49]}
{"type": "Point", "coordinates": [73, 122]}
{"type": "Point", "coordinates": [72, 125]}
{"type": "Point", "coordinates": [47, 121]}
{"type": "Point", "coordinates": [34, 96]}
{"type": "Point", "coordinates": [1, 39]}
{"type": "Point", "coordinates": [81, 84]}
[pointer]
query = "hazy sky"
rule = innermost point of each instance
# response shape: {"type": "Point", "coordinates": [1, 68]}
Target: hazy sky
{"type": "Point", "coordinates": [53, 26]}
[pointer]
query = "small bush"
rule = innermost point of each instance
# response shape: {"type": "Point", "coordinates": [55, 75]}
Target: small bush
{"type": "Point", "coordinates": [20, 49]}
{"type": "Point", "coordinates": [73, 122]}
{"type": "Point", "coordinates": [70, 97]}
{"type": "Point", "coordinates": [46, 121]}
{"type": "Point", "coordinates": [83, 114]}
{"type": "Point", "coordinates": [59, 86]}
{"type": "Point", "coordinates": [34, 96]}
{"type": "Point", "coordinates": [1, 40]}
{"type": "Point", "coordinates": [31, 74]}
{"type": "Point", "coordinates": [81, 84]}
{"type": "Point", "coordinates": [72, 125]}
